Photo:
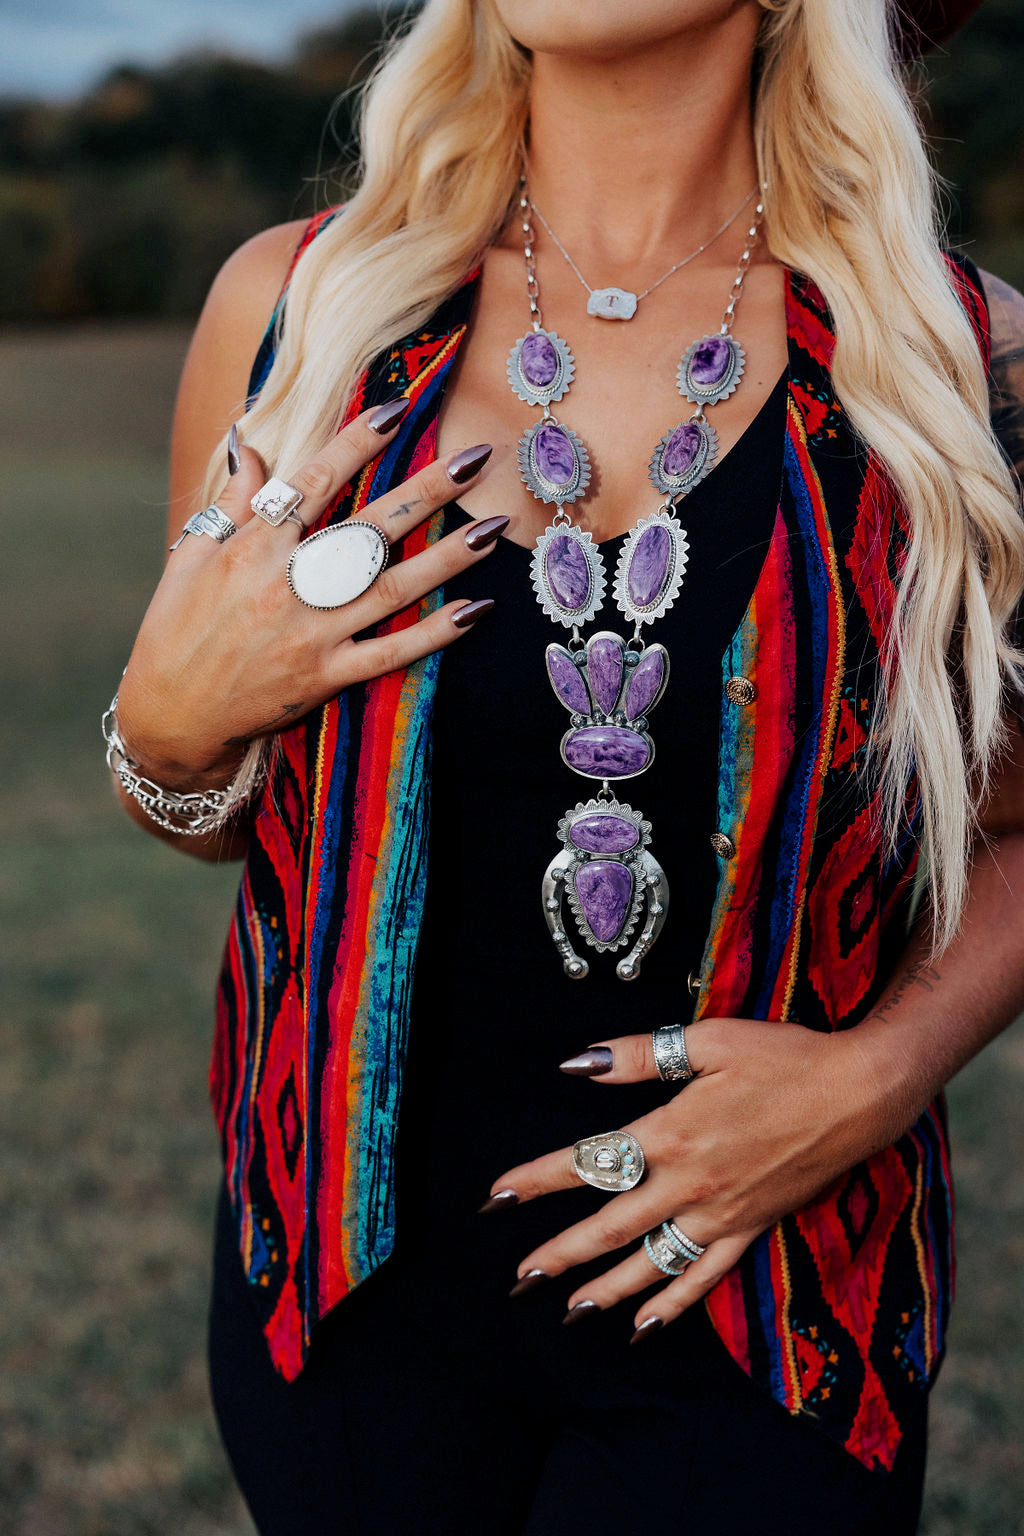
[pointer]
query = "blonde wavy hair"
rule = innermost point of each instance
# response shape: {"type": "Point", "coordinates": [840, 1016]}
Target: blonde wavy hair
{"type": "Point", "coordinates": [850, 202]}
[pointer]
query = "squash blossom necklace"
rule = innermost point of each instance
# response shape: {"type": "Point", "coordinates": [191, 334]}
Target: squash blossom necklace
{"type": "Point", "coordinates": [609, 684]}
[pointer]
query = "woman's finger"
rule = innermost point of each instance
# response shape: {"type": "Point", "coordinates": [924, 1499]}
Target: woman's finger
{"type": "Point", "coordinates": [322, 478]}
{"type": "Point", "coordinates": [360, 660]}
{"type": "Point", "coordinates": [692, 1285]}
{"type": "Point", "coordinates": [623, 1220]}
{"type": "Point", "coordinates": [630, 1058]}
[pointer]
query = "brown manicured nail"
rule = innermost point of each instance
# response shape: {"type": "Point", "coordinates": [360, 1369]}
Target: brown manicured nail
{"type": "Point", "coordinates": [388, 415]}
{"type": "Point", "coordinates": [482, 534]}
{"type": "Point", "coordinates": [529, 1282]}
{"type": "Point", "coordinates": [579, 1311]}
{"type": "Point", "coordinates": [499, 1202]}
{"type": "Point", "coordinates": [234, 460]}
{"type": "Point", "coordinates": [645, 1330]}
{"type": "Point", "coordinates": [463, 466]}
{"type": "Point", "coordinates": [473, 611]}
{"type": "Point", "coordinates": [591, 1063]}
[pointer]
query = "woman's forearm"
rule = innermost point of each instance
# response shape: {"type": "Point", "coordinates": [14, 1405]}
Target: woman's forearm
{"type": "Point", "coordinates": [935, 1015]}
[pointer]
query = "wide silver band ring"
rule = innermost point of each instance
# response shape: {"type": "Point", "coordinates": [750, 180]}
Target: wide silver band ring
{"type": "Point", "coordinates": [670, 1058]}
{"type": "Point", "coordinates": [613, 1161]}
{"type": "Point", "coordinates": [276, 501]}
{"type": "Point", "coordinates": [683, 1245]}
{"type": "Point", "coordinates": [338, 564]}
{"type": "Point", "coordinates": [211, 521]}
{"type": "Point", "coordinates": [662, 1255]}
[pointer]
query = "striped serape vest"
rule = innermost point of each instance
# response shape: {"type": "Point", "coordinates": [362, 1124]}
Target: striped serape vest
{"type": "Point", "coordinates": [839, 1310]}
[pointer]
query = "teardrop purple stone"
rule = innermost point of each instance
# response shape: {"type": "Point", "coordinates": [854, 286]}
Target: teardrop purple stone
{"type": "Point", "coordinates": [602, 833]}
{"type": "Point", "coordinates": [648, 567]}
{"type": "Point", "coordinates": [644, 683]}
{"type": "Point", "coordinates": [605, 892]}
{"type": "Point", "coordinates": [568, 572]}
{"type": "Point", "coordinates": [710, 360]}
{"type": "Point", "coordinates": [555, 455]}
{"type": "Point", "coordinates": [606, 752]}
{"type": "Point", "coordinates": [567, 682]}
{"type": "Point", "coordinates": [604, 668]}
{"type": "Point", "coordinates": [682, 448]}
{"type": "Point", "coordinates": [538, 360]}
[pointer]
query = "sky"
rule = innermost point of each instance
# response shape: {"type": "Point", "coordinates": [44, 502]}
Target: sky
{"type": "Point", "coordinates": [57, 48]}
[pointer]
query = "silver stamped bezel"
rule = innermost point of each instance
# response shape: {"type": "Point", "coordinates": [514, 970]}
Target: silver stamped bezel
{"type": "Point", "coordinates": [559, 385]}
{"type": "Point", "coordinates": [333, 529]}
{"type": "Point", "coordinates": [570, 617]}
{"type": "Point", "coordinates": [727, 385]}
{"type": "Point", "coordinates": [674, 579]}
{"type": "Point", "coordinates": [545, 490]}
{"type": "Point", "coordinates": [681, 485]}
{"type": "Point", "coordinates": [636, 906]}
{"type": "Point", "coordinates": [595, 807]}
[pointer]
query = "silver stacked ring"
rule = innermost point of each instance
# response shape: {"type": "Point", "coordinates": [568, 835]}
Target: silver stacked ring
{"type": "Point", "coordinates": [275, 502]}
{"type": "Point", "coordinates": [670, 1058]}
{"type": "Point", "coordinates": [683, 1245]}
{"type": "Point", "coordinates": [211, 521]}
{"type": "Point", "coordinates": [662, 1254]}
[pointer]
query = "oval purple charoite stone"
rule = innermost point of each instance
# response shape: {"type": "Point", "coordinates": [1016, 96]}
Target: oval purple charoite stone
{"type": "Point", "coordinates": [606, 751]}
{"type": "Point", "coordinates": [603, 833]}
{"type": "Point", "coordinates": [604, 668]}
{"type": "Point", "coordinates": [538, 360]}
{"type": "Point", "coordinates": [605, 892]}
{"type": "Point", "coordinates": [567, 682]}
{"type": "Point", "coordinates": [648, 566]}
{"type": "Point", "coordinates": [568, 572]}
{"type": "Point", "coordinates": [555, 455]}
{"type": "Point", "coordinates": [710, 361]}
{"type": "Point", "coordinates": [682, 449]}
{"type": "Point", "coordinates": [644, 684]}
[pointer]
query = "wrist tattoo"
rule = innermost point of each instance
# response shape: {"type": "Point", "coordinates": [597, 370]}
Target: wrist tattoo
{"type": "Point", "coordinates": [287, 712]}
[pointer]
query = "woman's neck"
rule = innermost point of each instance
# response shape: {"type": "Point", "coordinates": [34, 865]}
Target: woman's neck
{"type": "Point", "coordinates": [638, 158]}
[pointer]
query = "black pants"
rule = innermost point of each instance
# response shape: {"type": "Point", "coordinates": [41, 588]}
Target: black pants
{"type": "Point", "coordinates": [432, 1405]}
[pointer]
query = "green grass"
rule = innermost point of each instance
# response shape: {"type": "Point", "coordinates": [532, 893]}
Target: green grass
{"type": "Point", "coordinates": [110, 944]}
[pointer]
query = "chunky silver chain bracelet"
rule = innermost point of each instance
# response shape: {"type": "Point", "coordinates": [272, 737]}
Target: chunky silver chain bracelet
{"type": "Point", "coordinates": [189, 814]}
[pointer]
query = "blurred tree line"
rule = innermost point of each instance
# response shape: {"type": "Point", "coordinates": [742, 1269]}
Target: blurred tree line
{"type": "Point", "coordinates": [125, 202]}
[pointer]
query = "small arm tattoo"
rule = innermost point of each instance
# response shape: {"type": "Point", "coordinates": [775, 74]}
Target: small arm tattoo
{"type": "Point", "coordinates": [921, 974]}
{"type": "Point", "coordinates": [287, 713]}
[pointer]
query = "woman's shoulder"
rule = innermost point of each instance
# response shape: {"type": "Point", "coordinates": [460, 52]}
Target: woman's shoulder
{"type": "Point", "coordinates": [1006, 323]}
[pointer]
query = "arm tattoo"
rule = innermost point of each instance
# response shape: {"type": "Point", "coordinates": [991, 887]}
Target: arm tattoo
{"type": "Point", "coordinates": [921, 974]}
{"type": "Point", "coordinates": [287, 711]}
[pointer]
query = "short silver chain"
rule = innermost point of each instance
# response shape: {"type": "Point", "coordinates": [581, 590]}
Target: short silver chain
{"type": "Point", "coordinates": [528, 206]}
{"type": "Point", "coordinates": [191, 814]}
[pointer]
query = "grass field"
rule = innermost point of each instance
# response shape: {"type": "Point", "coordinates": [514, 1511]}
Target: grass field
{"type": "Point", "coordinates": [110, 945]}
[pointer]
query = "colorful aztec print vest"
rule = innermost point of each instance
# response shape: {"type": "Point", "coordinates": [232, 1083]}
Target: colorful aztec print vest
{"type": "Point", "coordinates": [840, 1310]}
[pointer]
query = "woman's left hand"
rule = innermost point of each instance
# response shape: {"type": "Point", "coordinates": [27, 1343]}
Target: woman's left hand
{"type": "Point", "coordinates": [774, 1115]}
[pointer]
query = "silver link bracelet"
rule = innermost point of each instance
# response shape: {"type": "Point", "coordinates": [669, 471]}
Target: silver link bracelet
{"type": "Point", "coordinates": [190, 814]}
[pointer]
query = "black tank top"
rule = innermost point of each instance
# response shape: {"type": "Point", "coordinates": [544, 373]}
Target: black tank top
{"type": "Point", "coordinates": [493, 1013]}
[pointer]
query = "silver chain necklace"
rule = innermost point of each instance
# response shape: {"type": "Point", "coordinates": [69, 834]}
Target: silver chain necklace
{"type": "Point", "coordinates": [620, 303]}
{"type": "Point", "coordinates": [606, 873]}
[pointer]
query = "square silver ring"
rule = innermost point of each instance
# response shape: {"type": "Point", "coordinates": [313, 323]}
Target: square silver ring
{"type": "Point", "coordinates": [275, 500]}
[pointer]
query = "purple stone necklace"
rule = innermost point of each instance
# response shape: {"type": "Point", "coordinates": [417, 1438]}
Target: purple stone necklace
{"type": "Point", "coordinates": [605, 871]}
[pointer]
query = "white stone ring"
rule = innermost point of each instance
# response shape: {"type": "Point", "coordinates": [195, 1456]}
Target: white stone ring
{"type": "Point", "coordinates": [612, 1162]}
{"type": "Point", "coordinates": [275, 502]}
{"type": "Point", "coordinates": [338, 564]}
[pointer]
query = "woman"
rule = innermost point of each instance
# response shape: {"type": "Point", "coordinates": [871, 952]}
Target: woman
{"type": "Point", "coordinates": [825, 543]}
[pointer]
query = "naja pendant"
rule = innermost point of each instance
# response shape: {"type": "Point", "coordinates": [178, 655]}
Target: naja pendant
{"type": "Point", "coordinates": [606, 874]}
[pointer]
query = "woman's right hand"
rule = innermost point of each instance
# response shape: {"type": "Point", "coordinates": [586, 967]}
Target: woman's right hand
{"type": "Point", "coordinates": [227, 653]}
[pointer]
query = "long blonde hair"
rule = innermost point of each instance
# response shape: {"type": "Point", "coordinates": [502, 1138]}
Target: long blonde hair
{"type": "Point", "coordinates": [850, 202]}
